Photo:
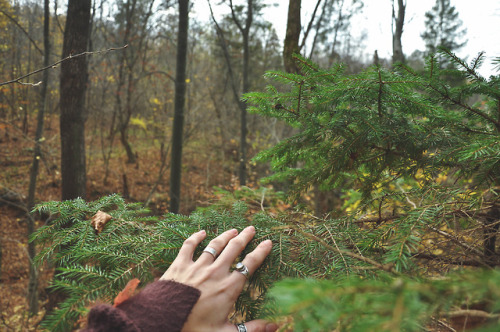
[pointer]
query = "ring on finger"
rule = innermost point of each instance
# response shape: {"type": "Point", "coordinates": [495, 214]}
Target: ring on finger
{"type": "Point", "coordinates": [241, 327]}
{"type": "Point", "coordinates": [211, 251]}
{"type": "Point", "coordinates": [241, 268]}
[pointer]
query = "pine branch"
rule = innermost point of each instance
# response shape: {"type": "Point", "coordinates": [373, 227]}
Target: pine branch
{"type": "Point", "coordinates": [386, 267]}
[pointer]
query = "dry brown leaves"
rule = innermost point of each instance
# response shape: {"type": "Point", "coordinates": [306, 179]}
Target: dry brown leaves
{"type": "Point", "coordinates": [99, 220]}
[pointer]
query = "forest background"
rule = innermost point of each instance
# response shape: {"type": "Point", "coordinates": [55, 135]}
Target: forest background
{"type": "Point", "coordinates": [129, 107]}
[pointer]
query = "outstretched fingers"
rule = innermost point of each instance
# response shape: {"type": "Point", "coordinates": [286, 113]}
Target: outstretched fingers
{"type": "Point", "coordinates": [252, 261]}
{"type": "Point", "coordinates": [188, 247]}
{"type": "Point", "coordinates": [255, 259]}
{"type": "Point", "coordinates": [235, 247]}
{"type": "Point", "coordinates": [218, 244]}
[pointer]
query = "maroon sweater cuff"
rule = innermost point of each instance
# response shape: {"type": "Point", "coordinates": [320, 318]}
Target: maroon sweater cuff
{"type": "Point", "coordinates": [160, 306]}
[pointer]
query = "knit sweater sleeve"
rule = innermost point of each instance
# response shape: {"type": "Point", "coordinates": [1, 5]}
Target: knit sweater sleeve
{"type": "Point", "coordinates": [160, 306]}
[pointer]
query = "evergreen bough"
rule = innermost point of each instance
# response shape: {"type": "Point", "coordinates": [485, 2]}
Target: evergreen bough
{"type": "Point", "coordinates": [417, 159]}
{"type": "Point", "coordinates": [95, 266]}
{"type": "Point", "coordinates": [421, 154]}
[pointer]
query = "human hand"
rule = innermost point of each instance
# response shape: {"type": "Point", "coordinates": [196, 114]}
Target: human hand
{"type": "Point", "coordinates": [219, 287]}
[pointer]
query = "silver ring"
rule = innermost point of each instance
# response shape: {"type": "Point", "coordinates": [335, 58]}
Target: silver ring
{"type": "Point", "coordinates": [241, 327]}
{"type": "Point", "coordinates": [211, 251]}
{"type": "Point", "coordinates": [241, 268]}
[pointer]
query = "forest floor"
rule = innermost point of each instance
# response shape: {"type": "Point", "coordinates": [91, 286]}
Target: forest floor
{"type": "Point", "coordinates": [206, 166]}
{"type": "Point", "coordinates": [202, 171]}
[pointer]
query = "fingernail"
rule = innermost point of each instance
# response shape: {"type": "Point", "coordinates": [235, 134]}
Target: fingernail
{"type": "Point", "coordinates": [202, 232]}
{"type": "Point", "coordinates": [250, 228]}
{"type": "Point", "coordinates": [267, 242]}
{"type": "Point", "coordinates": [271, 327]}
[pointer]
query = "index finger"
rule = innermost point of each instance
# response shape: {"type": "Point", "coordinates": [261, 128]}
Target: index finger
{"type": "Point", "coordinates": [189, 246]}
{"type": "Point", "coordinates": [235, 247]}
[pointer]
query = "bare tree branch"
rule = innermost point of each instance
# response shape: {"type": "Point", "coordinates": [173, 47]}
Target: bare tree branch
{"type": "Point", "coordinates": [23, 30]}
{"type": "Point", "coordinates": [226, 54]}
{"type": "Point", "coordinates": [18, 80]}
{"type": "Point", "coordinates": [309, 26]}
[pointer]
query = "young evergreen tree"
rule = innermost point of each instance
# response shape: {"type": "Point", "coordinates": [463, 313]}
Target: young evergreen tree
{"type": "Point", "coordinates": [418, 161]}
{"type": "Point", "coordinates": [443, 28]}
{"type": "Point", "coordinates": [421, 161]}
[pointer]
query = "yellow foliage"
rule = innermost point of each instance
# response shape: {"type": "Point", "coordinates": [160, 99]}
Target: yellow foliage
{"type": "Point", "coordinates": [6, 7]}
{"type": "Point", "coordinates": [441, 178]}
{"type": "Point", "coordinates": [353, 206]}
{"type": "Point", "coordinates": [155, 101]}
{"type": "Point", "coordinates": [139, 122]}
{"type": "Point", "coordinates": [437, 252]}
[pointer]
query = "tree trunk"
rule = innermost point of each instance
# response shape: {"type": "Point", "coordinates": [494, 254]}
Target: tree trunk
{"type": "Point", "coordinates": [334, 55]}
{"type": "Point", "coordinates": [33, 273]}
{"type": "Point", "coordinates": [291, 45]}
{"type": "Point", "coordinates": [242, 172]}
{"type": "Point", "coordinates": [125, 76]}
{"type": "Point", "coordinates": [490, 236]}
{"type": "Point", "coordinates": [179, 103]}
{"type": "Point", "coordinates": [73, 85]}
{"type": "Point", "coordinates": [397, 47]}
{"type": "Point", "coordinates": [131, 158]}
{"type": "Point", "coordinates": [317, 27]}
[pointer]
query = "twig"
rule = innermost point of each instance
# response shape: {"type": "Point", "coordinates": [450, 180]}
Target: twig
{"type": "Point", "coordinates": [23, 247]}
{"type": "Point", "coordinates": [440, 322]}
{"type": "Point", "coordinates": [23, 30]}
{"type": "Point", "coordinates": [473, 313]}
{"type": "Point", "coordinates": [71, 56]}
{"type": "Point", "coordinates": [22, 206]}
{"type": "Point", "coordinates": [449, 261]}
{"type": "Point", "coordinates": [336, 246]}
{"type": "Point", "coordinates": [379, 97]}
{"type": "Point", "coordinates": [309, 25]}
{"type": "Point", "coordinates": [262, 200]}
{"type": "Point", "coordinates": [17, 206]}
{"type": "Point", "coordinates": [385, 218]}
{"type": "Point", "coordinates": [223, 45]}
{"type": "Point", "coordinates": [455, 239]}
{"type": "Point", "coordinates": [406, 196]}
{"type": "Point", "coordinates": [386, 267]}
{"type": "Point", "coordinates": [378, 220]}
{"type": "Point", "coordinates": [163, 158]}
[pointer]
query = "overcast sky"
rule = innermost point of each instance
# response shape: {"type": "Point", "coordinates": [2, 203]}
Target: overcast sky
{"type": "Point", "coordinates": [481, 18]}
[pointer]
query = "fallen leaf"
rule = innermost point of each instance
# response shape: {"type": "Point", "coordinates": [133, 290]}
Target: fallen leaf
{"type": "Point", "coordinates": [127, 292]}
{"type": "Point", "coordinates": [99, 220]}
